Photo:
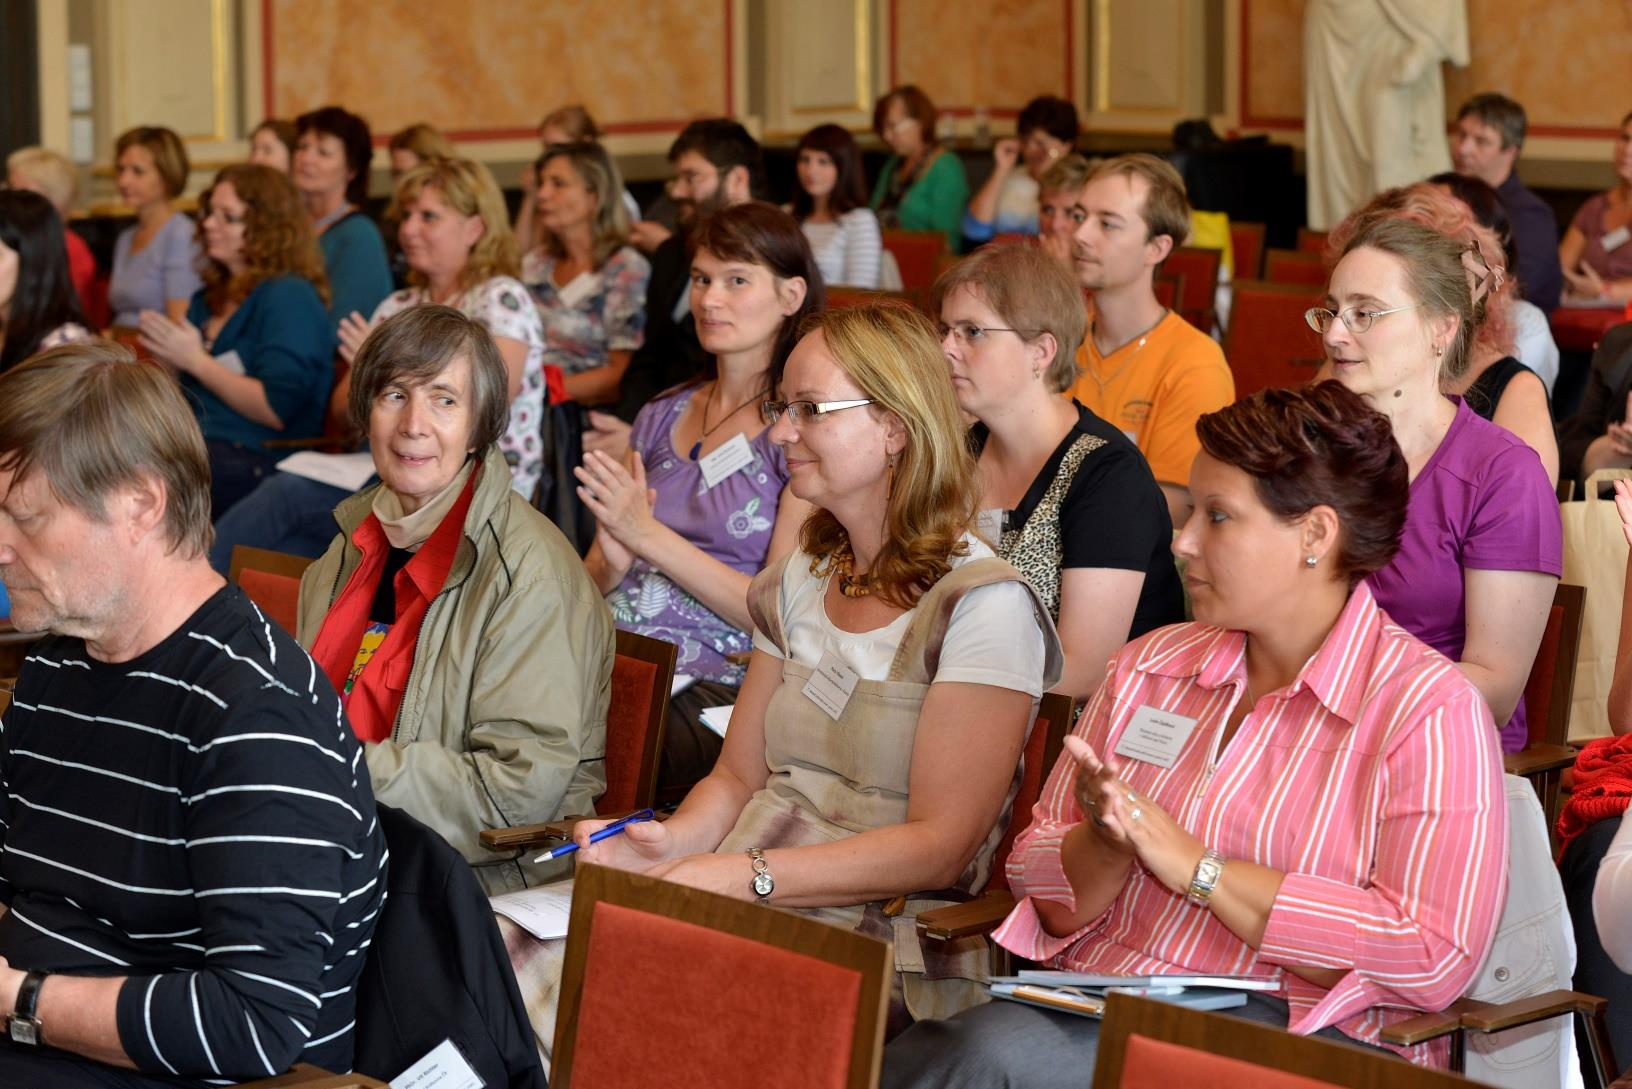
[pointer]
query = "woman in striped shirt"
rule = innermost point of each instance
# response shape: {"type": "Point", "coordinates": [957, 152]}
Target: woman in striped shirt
{"type": "Point", "coordinates": [1292, 785]}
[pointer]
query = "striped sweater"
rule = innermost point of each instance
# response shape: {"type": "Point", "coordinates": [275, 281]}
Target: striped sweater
{"type": "Point", "coordinates": [198, 820]}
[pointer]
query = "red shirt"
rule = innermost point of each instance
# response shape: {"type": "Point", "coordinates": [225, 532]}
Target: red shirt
{"type": "Point", "coordinates": [82, 274]}
{"type": "Point", "coordinates": [375, 695]}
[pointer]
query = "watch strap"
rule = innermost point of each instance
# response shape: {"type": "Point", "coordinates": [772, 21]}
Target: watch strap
{"type": "Point", "coordinates": [1205, 879]}
{"type": "Point", "coordinates": [28, 995]}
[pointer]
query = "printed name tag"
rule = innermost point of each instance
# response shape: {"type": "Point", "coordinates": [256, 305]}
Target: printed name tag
{"type": "Point", "coordinates": [831, 685]}
{"type": "Point", "coordinates": [230, 360]}
{"type": "Point", "coordinates": [443, 1068]}
{"type": "Point", "coordinates": [726, 459]}
{"type": "Point", "coordinates": [1154, 737]}
{"type": "Point", "coordinates": [1615, 239]}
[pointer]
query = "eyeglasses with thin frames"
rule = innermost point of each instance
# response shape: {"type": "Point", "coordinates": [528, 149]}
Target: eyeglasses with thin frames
{"type": "Point", "coordinates": [968, 333]}
{"type": "Point", "coordinates": [803, 412]}
{"type": "Point", "coordinates": [1357, 319]}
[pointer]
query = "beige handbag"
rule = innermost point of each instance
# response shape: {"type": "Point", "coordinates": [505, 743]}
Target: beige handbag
{"type": "Point", "coordinates": [1595, 557]}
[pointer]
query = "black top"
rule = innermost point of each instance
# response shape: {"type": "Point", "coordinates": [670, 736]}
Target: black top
{"type": "Point", "coordinates": [200, 820]}
{"type": "Point", "coordinates": [669, 353]}
{"type": "Point", "coordinates": [1486, 392]}
{"type": "Point", "coordinates": [384, 609]}
{"type": "Point", "coordinates": [1609, 380]}
{"type": "Point", "coordinates": [1112, 514]}
{"type": "Point", "coordinates": [1535, 241]}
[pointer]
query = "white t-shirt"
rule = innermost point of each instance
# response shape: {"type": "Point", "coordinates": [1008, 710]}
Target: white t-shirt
{"type": "Point", "coordinates": [849, 250]}
{"type": "Point", "coordinates": [1612, 897]}
{"type": "Point", "coordinates": [993, 638]}
{"type": "Point", "coordinates": [1533, 343]}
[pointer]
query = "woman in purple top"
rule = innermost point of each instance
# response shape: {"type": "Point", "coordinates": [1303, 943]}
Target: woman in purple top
{"type": "Point", "coordinates": [703, 506]}
{"type": "Point", "coordinates": [1483, 545]}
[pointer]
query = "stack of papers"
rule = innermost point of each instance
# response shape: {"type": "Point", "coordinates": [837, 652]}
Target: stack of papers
{"type": "Point", "coordinates": [542, 911]}
{"type": "Point", "coordinates": [1083, 994]}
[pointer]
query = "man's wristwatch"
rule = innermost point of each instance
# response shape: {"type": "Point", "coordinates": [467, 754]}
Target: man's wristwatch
{"type": "Point", "coordinates": [763, 882]}
{"type": "Point", "coordinates": [1205, 878]}
{"type": "Point", "coordinates": [23, 1026]}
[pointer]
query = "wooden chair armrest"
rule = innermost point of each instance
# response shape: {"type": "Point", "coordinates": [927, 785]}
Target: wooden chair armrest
{"type": "Point", "coordinates": [1429, 1026]}
{"type": "Point", "coordinates": [979, 916]}
{"type": "Point", "coordinates": [549, 834]}
{"type": "Point", "coordinates": [1539, 758]}
{"type": "Point", "coordinates": [307, 1076]}
{"type": "Point", "coordinates": [1495, 1017]}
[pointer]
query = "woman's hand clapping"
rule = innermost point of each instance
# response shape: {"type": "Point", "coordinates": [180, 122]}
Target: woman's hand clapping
{"type": "Point", "coordinates": [1129, 822]}
{"type": "Point", "coordinates": [618, 497]}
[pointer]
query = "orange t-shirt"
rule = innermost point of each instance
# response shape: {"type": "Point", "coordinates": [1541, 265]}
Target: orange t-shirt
{"type": "Point", "coordinates": [1154, 388]}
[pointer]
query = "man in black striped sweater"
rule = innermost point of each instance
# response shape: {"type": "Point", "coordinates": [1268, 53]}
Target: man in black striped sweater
{"type": "Point", "coordinates": [190, 866]}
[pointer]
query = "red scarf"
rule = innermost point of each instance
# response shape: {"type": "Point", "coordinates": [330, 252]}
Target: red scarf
{"type": "Point", "coordinates": [1602, 786]}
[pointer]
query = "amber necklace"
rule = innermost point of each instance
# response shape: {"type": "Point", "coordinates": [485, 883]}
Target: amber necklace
{"type": "Point", "coordinates": [842, 561]}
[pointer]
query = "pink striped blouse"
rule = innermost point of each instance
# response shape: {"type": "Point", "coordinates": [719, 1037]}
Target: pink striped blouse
{"type": "Point", "coordinates": [1374, 782]}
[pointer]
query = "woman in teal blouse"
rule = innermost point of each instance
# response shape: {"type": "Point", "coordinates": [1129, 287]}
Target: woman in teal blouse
{"type": "Point", "coordinates": [922, 186]}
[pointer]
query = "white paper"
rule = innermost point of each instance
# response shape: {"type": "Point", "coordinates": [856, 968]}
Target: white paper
{"type": "Point", "coordinates": [443, 1068]}
{"type": "Point", "coordinates": [580, 289]}
{"type": "Point", "coordinates": [348, 471]}
{"type": "Point", "coordinates": [831, 685]}
{"type": "Point", "coordinates": [725, 459]}
{"type": "Point", "coordinates": [1154, 736]}
{"type": "Point", "coordinates": [231, 360]}
{"type": "Point", "coordinates": [682, 681]}
{"type": "Point", "coordinates": [1615, 239]}
{"type": "Point", "coordinates": [542, 911]}
{"type": "Point", "coordinates": [716, 718]}
{"type": "Point", "coordinates": [1575, 302]}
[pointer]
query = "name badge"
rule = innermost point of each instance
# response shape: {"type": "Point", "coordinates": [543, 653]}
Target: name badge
{"type": "Point", "coordinates": [1154, 737]}
{"type": "Point", "coordinates": [231, 360]}
{"type": "Point", "coordinates": [443, 1068]}
{"type": "Point", "coordinates": [831, 685]}
{"type": "Point", "coordinates": [1615, 239]}
{"type": "Point", "coordinates": [725, 459]}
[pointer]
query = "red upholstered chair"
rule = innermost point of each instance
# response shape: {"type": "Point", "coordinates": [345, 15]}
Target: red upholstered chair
{"type": "Point", "coordinates": [917, 254]}
{"type": "Point", "coordinates": [1547, 697]}
{"type": "Point", "coordinates": [1311, 241]}
{"type": "Point", "coordinates": [1293, 267]}
{"type": "Point", "coordinates": [272, 581]}
{"type": "Point", "coordinates": [1247, 240]}
{"type": "Point", "coordinates": [1199, 267]}
{"type": "Point", "coordinates": [669, 985]}
{"type": "Point", "coordinates": [1268, 343]}
{"type": "Point", "coordinates": [1581, 330]}
{"type": "Point", "coordinates": [1169, 289]}
{"type": "Point", "coordinates": [1145, 1044]}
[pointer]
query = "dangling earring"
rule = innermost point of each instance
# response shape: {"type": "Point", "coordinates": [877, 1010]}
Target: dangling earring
{"type": "Point", "coordinates": [1310, 560]}
{"type": "Point", "coordinates": [1439, 350]}
{"type": "Point", "coordinates": [889, 480]}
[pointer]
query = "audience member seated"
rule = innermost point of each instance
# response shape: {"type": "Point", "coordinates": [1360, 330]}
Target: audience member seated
{"type": "Point", "coordinates": [38, 309]}
{"type": "Point", "coordinates": [1059, 207]}
{"type": "Point", "coordinates": [461, 253]}
{"type": "Point", "coordinates": [191, 868]}
{"type": "Point", "coordinates": [416, 144]}
{"type": "Point", "coordinates": [572, 125]}
{"type": "Point", "coordinates": [273, 144]}
{"type": "Point", "coordinates": [588, 282]}
{"type": "Point", "coordinates": [716, 163]}
{"type": "Point", "coordinates": [1329, 760]}
{"type": "Point", "coordinates": [1598, 436]}
{"type": "Point", "coordinates": [471, 652]}
{"type": "Point", "coordinates": [1146, 370]}
{"type": "Point", "coordinates": [43, 171]}
{"type": "Point", "coordinates": [155, 259]}
{"type": "Point", "coordinates": [922, 186]}
{"type": "Point", "coordinates": [1483, 545]}
{"type": "Point", "coordinates": [1597, 262]}
{"type": "Point", "coordinates": [1007, 204]}
{"type": "Point", "coordinates": [1494, 385]}
{"type": "Point", "coordinates": [332, 156]}
{"type": "Point", "coordinates": [254, 352]}
{"type": "Point", "coordinates": [678, 537]}
{"type": "Point", "coordinates": [1067, 498]}
{"type": "Point", "coordinates": [1485, 144]}
{"type": "Point", "coordinates": [835, 804]}
{"type": "Point", "coordinates": [831, 206]}
{"type": "Point", "coordinates": [1533, 343]}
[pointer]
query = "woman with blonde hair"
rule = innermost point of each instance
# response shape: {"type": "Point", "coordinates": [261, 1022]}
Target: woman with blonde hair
{"type": "Point", "coordinates": [873, 750]}
{"type": "Point", "coordinates": [564, 125]}
{"type": "Point", "coordinates": [416, 144]}
{"type": "Point", "coordinates": [255, 352]}
{"type": "Point", "coordinates": [589, 283]}
{"type": "Point", "coordinates": [153, 259]}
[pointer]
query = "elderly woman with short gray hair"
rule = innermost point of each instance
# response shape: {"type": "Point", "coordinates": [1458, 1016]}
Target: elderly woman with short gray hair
{"type": "Point", "coordinates": [470, 649]}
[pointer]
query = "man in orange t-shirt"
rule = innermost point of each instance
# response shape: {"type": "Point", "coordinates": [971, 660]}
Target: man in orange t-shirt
{"type": "Point", "coordinates": [1144, 369]}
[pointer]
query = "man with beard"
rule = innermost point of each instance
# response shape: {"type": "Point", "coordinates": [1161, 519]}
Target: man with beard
{"type": "Point", "coordinates": [716, 163]}
{"type": "Point", "coordinates": [1144, 368]}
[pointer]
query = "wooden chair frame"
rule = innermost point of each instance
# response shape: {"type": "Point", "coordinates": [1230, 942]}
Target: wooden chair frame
{"type": "Point", "coordinates": [872, 958]}
{"type": "Point", "coordinates": [1543, 762]}
{"type": "Point", "coordinates": [1276, 259]}
{"type": "Point", "coordinates": [1253, 235]}
{"type": "Point", "coordinates": [1195, 302]}
{"type": "Point", "coordinates": [307, 1076]}
{"type": "Point", "coordinates": [1470, 1015]}
{"type": "Point", "coordinates": [264, 559]}
{"type": "Point", "coordinates": [1262, 1045]}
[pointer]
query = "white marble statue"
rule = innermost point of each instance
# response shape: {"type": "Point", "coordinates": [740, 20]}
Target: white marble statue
{"type": "Point", "coordinates": [1374, 96]}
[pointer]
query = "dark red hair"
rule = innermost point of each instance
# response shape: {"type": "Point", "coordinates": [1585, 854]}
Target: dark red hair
{"type": "Point", "coordinates": [1319, 445]}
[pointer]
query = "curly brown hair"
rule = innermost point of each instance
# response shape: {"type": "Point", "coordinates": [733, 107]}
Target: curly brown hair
{"type": "Point", "coordinates": [278, 239]}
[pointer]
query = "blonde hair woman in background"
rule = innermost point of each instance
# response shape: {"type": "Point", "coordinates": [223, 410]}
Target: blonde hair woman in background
{"type": "Point", "coordinates": [154, 259]}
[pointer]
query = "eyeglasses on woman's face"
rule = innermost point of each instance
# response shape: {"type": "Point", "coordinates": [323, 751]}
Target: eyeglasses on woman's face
{"type": "Point", "coordinates": [1357, 319]}
{"type": "Point", "coordinates": [971, 335]}
{"type": "Point", "coordinates": [800, 413]}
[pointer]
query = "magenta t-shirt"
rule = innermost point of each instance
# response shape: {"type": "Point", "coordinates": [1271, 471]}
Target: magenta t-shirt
{"type": "Point", "coordinates": [1481, 502]}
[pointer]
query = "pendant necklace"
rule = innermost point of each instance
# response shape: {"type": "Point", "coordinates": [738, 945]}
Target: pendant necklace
{"type": "Point", "coordinates": [1137, 348]}
{"type": "Point", "coordinates": [697, 447]}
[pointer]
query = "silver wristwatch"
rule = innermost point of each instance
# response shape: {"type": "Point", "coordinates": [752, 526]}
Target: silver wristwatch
{"type": "Point", "coordinates": [1205, 878]}
{"type": "Point", "coordinates": [763, 883]}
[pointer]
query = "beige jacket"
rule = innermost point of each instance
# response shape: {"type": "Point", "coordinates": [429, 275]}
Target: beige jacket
{"type": "Point", "coordinates": [503, 716]}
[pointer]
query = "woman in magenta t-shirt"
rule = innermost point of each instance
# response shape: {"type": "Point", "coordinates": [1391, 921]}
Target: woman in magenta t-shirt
{"type": "Point", "coordinates": [1483, 544]}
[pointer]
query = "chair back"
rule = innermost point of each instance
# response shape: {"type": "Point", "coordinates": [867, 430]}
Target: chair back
{"type": "Point", "coordinates": [1294, 267]}
{"type": "Point", "coordinates": [1247, 240]}
{"type": "Point", "coordinates": [1036, 761]}
{"type": "Point", "coordinates": [917, 254]}
{"type": "Point", "coordinates": [1169, 289]}
{"type": "Point", "coordinates": [1146, 1044]}
{"type": "Point", "coordinates": [1551, 687]}
{"type": "Point", "coordinates": [1268, 343]}
{"type": "Point", "coordinates": [673, 985]}
{"type": "Point", "coordinates": [1199, 267]}
{"type": "Point", "coordinates": [271, 580]}
{"type": "Point", "coordinates": [1311, 241]}
{"type": "Point", "coordinates": [642, 674]}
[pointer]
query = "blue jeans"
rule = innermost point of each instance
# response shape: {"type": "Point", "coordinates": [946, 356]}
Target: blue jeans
{"type": "Point", "coordinates": [287, 513]}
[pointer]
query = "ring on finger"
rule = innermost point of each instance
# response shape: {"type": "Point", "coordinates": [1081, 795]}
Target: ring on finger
{"type": "Point", "coordinates": [1134, 813]}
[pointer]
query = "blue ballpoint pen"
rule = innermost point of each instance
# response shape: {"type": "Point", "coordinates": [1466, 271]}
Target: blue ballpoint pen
{"type": "Point", "coordinates": [595, 837]}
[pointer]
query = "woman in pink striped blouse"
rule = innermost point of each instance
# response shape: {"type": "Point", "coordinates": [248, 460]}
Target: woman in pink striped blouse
{"type": "Point", "coordinates": [1291, 785]}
